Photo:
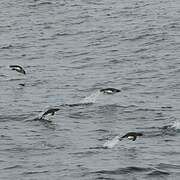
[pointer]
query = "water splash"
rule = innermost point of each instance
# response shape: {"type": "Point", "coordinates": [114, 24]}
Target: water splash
{"type": "Point", "coordinates": [111, 143]}
{"type": "Point", "coordinates": [176, 125]}
{"type": "Point", "coordinates": [92, 98]}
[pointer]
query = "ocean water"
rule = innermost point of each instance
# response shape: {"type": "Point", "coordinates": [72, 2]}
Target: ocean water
{"type": "Point", "coordinates": [70, 49]}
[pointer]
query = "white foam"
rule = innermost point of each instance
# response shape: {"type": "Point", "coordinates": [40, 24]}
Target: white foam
{"type": "Point", "coordinates": [92, 98]}
{"type": "Point", "coordinates": [111, 143]}
{"type": "Point", "coordinates": [176, 125]}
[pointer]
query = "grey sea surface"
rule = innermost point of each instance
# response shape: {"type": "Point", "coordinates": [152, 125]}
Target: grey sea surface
{"type": "Point", "coordinates": [70, 49]}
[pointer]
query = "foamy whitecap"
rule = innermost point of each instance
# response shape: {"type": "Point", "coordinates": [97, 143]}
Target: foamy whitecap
{"type": "Point", "coordinates": [111, 143]}
{"type": "Point", "coordinates": [92, 98]}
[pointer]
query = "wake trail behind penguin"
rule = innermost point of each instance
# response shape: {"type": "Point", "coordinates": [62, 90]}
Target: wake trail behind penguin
{"type": "Point", "coordinates": [111, 143]}
{"type": "Point", "coordinates": [92, 98]}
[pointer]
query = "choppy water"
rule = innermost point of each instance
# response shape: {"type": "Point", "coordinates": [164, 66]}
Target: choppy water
{"type": "Point", "coordinates": [70, 49]}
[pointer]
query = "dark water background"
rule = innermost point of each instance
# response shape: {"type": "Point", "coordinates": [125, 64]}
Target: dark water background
{"type": "Point", "coordinates": [70, 49]}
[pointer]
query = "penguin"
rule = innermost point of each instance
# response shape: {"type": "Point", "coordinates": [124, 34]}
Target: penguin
{"type": "Point", "coordinates": [131, 136]}
{"type": "Point", "coordinates": [18, 69]}
{"type": "Point", "coordinates": [109, 90]}
{"type": "Point", "coordinates": [49, 111]}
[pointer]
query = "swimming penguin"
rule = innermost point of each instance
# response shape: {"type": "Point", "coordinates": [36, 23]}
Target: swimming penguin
{"type": "Point", "coordinates": [131, 135]}
{"type": "Point", "coordinates": [18, 69]}
{"type": "Point", "coordinates": [109, 90]}
{"type": "Point", "coordinates": [22, 84]}
{"type": "Point", "coordinates": [49, 111]}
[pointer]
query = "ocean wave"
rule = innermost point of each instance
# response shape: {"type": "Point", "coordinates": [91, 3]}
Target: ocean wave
{"type": "Point", "coordinates": [157, 173]}
{"type": "Point", "coordinates": [126, 170]}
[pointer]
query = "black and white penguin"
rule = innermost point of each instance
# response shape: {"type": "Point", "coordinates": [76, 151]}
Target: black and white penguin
{"type": "Point", "coordinates": [49, 111]}
{"type": "Point", "coordinates": [18, 69]}
{"type": "Point", "coordinates": [131, 135]}
{"type": "Point", "coordinates": [109, 90]}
